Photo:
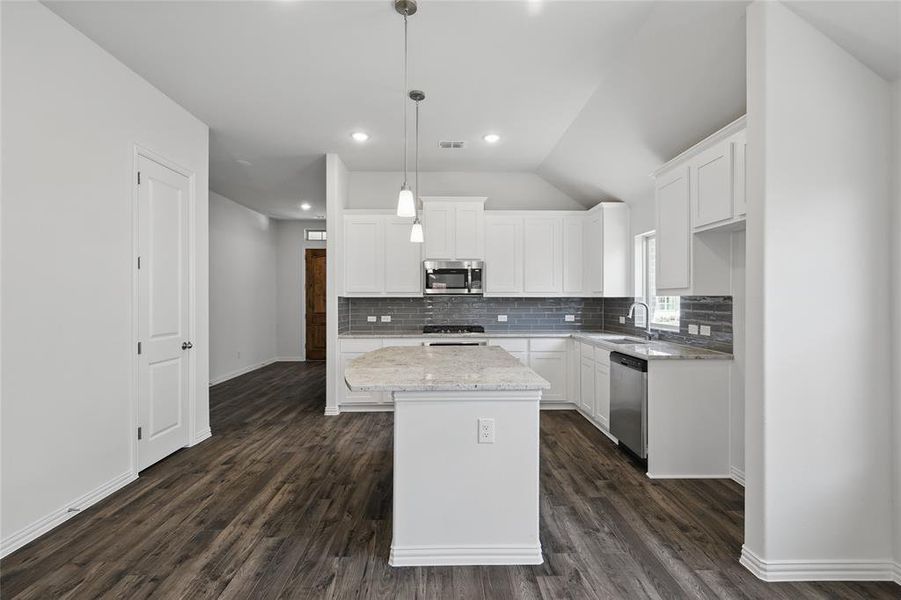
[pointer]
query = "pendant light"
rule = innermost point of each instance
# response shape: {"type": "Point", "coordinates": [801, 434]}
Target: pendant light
{"type": "Point", "coordinates": [416, 234]}
{"type": "Point", "coordinates": [406, 202]}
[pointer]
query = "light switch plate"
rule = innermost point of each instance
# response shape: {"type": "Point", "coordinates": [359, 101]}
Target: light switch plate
{"type": "Point", "coordinates": [569, 318]}
{"type": "Point", "coordinates": [622, 320]}
{"type": "Point", "coordinates": [693, 329]}
{"type": "Point", "coordinates": [386, 318]}
{"type": "Point", "coordinates": [705, 329]}
{"type": "Point", "coordinates": [371, 319]}
{"type": "Point", "coordinates": [502, 318]}
{"type": "Point", "coordinates": [486, 431]}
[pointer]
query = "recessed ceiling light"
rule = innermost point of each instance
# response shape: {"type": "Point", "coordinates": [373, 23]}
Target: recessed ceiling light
{"type": "Point", "coordinates": [305, 206]}
{"type": "Point", "coordinates": [360, 136]}
{"type": "Point", "coordinates": [491, 138]}
{"type": "Point", "coordinates": [241, 161]}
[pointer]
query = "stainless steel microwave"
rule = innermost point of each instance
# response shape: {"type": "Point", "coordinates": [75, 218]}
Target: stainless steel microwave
{"type": "Point", "coordinates": [453, 276]}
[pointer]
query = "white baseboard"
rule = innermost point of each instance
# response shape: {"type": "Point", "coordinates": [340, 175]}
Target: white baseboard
{"type": "Point", "coordinates": [819, 570]}
{"type": "Point", "coordinates": [897, 573]}
{"type": "Point", "coordinates": [57, 517]}
{"type": "Point", "coordinates": [201, 436]}
{"type": "Point", "coordinates": [737, 475]}
{"type": "Point", "coordinates": [557, 406]}
{"type": "Point", "coordinates": [331, 411]}
{"type": "Point", "coordinates": [424, 556]}
{"type": "Point", "coordinates": [390, 407]}
{"type": "Point", "coordinates": [241, 371]}
{"type": "Point", "coordinates": [690, 476]}
{"type": "Point", "coordinates": [289, 359]}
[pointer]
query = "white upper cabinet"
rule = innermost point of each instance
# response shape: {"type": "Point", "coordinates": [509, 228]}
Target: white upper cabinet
{"type": "Point", "coordinates": [379, 258]}
{"type": "Point", "coordinates": [542, 255]}
{"type": "Point", "coordinates": [573, 266]}
{"type": "Point", "coordinates": [701, 198]}
{"type": "Point", "coordinates": [673, 230]}
{"type": "Point", "coordinates": [711, 194]}
{"type": "Point", "coordinates": [402, 264]}
{"type": "Point", "coordinates": [593, 253]}
{"type": "Point", "coordinates": [454, 228]}
{"type": "Point", "coordinates": [363, 260]}
{"type": "Point", "coordinates": [503, 254]}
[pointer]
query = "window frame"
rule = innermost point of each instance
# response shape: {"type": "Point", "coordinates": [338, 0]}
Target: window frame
{"type": "Point", "coordinates": [642, 283]}
{"type": "Point", "coordinates": [307, 232]}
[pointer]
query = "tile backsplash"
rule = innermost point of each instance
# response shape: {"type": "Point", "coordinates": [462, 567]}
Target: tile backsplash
{"type": "Point", "coordinates": [524, 314]}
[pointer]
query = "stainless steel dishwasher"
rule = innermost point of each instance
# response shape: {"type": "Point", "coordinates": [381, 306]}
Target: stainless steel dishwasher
{"type": "Point", "coordinates": [629, 402]}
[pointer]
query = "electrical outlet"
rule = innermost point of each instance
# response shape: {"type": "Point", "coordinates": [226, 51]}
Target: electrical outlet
{"type": "Point", "coordinates": [705, 329]}
{"type": "Point", "coordinates": [486, 431]}
{"type": "Point", "coordinates": [693, 329]}
{"type": "Point", "coordinates": [386, 318]}
{"type": "Point", "coordinates": [502, 318]}
{"type": "Point", "coordinates": [569, 318]}
{"type": "Point", "coordinates": [371, 319]}
{"type": "Point", "coordinates": [622, 320]}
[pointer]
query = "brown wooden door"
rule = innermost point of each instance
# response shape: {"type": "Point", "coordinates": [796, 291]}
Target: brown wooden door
{"type": "Point", "coordinates": [315, 309]}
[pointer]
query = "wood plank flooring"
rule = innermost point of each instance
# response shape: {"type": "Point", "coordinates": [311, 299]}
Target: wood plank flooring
{"type": "Point", "coordinates": [284, 502]}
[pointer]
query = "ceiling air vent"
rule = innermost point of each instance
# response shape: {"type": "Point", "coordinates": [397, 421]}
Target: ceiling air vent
{"type": "Point", "coordinates": [448, 145]}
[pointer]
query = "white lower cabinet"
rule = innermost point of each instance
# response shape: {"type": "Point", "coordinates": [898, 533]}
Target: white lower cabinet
{"type": "Point", "coordinates": [601, 412]}
{"type": "Point", "coordinates": [349, 350]}
{"type": "Point", "coordinates": [587, 384]}
{"type": "Point", "coordinates": [518, 347]}
{"type": "Point", "coordinates": [551, 366]}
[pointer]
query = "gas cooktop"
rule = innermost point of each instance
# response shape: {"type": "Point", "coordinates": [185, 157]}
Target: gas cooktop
{"type": "Point", "coordinates": [453, 329]}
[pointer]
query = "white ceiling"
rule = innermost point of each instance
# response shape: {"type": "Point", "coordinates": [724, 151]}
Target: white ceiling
{"type": "Point", "coordinates": [591, 95]}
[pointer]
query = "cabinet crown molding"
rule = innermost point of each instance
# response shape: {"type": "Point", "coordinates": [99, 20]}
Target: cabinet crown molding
{"type": "Point", "coordinates": [709, 141]}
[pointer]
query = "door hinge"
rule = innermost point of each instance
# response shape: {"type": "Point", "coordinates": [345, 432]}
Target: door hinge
{"type": "Point", "coordinates": [139, 433]}
{"type": "Point", "coordinates": [139, 178]}
{"type": "Point", "coordinates": [139, 262]}
{"type": "Point", "coordinates": [139, 347]}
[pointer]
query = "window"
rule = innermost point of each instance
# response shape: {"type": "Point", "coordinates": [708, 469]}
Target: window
{"type": "Point", "coordinates": [315, 235]}
{"type": "Point", "coordinates": [664, 309]}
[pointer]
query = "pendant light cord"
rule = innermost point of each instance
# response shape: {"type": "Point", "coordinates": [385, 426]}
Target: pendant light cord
{"type": "Point", "coordinates": [416, 196]}
{"type": "Point", "coordinates": [405, 103]}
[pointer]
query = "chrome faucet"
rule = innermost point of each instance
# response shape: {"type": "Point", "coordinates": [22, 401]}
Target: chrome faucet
{"type": "Point", "coordinates": [647, 315]}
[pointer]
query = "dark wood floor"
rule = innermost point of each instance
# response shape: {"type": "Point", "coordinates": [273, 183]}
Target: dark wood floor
{"type": "Point", "coordinates": [285, 503]}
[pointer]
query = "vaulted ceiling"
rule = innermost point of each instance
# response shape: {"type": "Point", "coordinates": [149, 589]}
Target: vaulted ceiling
{"type": "Point", "coordinates": [590, 95]}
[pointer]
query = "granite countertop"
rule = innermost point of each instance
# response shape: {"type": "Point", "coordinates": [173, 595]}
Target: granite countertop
{"type": "Point", "coordinates": [653, 350]}
{"type": "Point", "coordinates": [444, 368]}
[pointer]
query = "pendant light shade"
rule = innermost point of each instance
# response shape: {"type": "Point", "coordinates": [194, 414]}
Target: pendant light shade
{"type": "Point", "coordinates": [416, 235]}
{"type": "Point", "coordinates": [406, 205]}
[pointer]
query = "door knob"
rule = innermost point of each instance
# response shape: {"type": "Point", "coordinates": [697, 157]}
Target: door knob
{"type": "Point", "coordinates": [186, 345]}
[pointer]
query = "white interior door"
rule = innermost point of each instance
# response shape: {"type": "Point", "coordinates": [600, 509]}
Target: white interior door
{"type": "Point", "coordinates": [164, 326]}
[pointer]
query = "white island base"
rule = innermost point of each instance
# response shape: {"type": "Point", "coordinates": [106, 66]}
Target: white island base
{"type": "Point", "coordinates": [458, 501]}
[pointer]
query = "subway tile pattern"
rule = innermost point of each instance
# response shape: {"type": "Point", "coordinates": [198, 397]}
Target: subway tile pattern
{"type": "Point", "coordinates": [715, 311]}
{"type": "Point", "coordinates": [525, 314]}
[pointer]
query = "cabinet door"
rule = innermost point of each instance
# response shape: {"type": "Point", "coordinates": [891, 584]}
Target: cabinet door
{"type": "Point", "coordinates": [712, 185]}
{"type": "Point", "coordinates": [587, 383]}
{"type": "Point", "coordinates": [542, 255]}
{"type": "Point", "coordinates": [503, 255]}
{"type": "Point", "coordinates": [551, 366]}
{"type": "Point", "coordinates": [602, 394]}
{"type": "Point", "coordinates": [573, 272]}
{"type": "Point", "coordinates": [593, 253]}
{"type": "Point", "coordinates": [403, 264]}
{"type": "Point", "coordinates": [739, 175]}
{"type": "Point", "coordinates": [673, 230]}
{"type": "Point", "coordinates": [345, 396]}
{"type": "Point", "coordinates": [469, 222]}
{"type": "Point", "coordinates": [364, 255]}
{"type": "Point", "coordinates": [438, 223]}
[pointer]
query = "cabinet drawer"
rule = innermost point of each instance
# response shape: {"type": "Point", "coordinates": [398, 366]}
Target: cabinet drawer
{"type": "Point", "coordinates": [548, 344]}
{"type": "Point", "coordinates": [360, 345]}
{"type": "Point", "coordinates": [510, 344]}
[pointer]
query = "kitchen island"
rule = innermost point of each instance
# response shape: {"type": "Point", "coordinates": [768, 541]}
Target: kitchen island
{"type": "Point", "coordinates": [465, 452]}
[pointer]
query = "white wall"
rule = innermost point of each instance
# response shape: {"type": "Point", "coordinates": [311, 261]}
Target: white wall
{"type": "Point", "coordinates": [337, 184]}
{"type": "Point", "coordinates": [242, 289]}
{"type": "Point", "coordinates": [505, 190]}
{"type": "Point", "coordinates": [819, 432]}
{"type": "Point", "coordinates": [291, 301]}
{"type": "Point", "coordinates": [72, 116]}
{"type": "Point", "coordinates": [896, 318]}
